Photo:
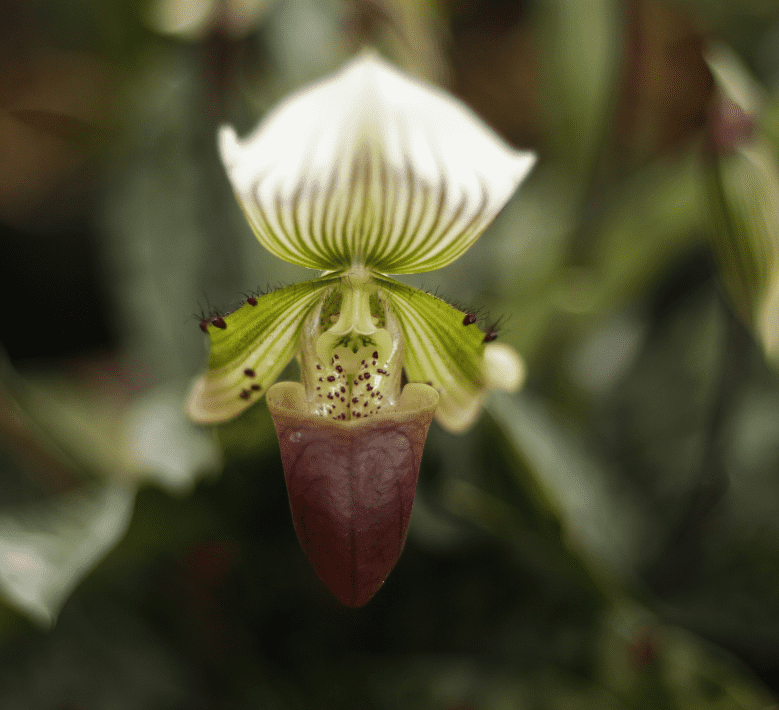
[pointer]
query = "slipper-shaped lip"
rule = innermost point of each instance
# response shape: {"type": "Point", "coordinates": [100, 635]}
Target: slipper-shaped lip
{"type": "Point", "coordinates": [351, 484]}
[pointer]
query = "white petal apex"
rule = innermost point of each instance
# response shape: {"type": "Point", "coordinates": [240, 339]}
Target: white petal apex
{"type": "Point", "coordinates": [229, 146]}
{"type": "Point", "coordinates": [371, 166]}
{"type": "Point", "coordinates": [503, 368]}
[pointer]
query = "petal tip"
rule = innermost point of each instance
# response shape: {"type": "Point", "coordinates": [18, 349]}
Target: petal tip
{"type": "Point", "coordinates": [229, 146]}
{"type": "Point", "coordinates": [503, 368]}
{"type": "Point", "coordinates": [194, 404]}
{"type": "Point", "coordinates": [458, 418]}
{"type": "Point", "coordinates": [525, 160]}
{"type": "Point", "coordinates": [205, 408]}
{"type": "Point", "coordinates": [368, 55]}
{"type": "Point", "coordinates": [369, 59]}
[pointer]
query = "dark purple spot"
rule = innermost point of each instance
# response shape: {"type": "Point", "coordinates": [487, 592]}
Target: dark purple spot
{"type": "Point", "coordinates": [339, 369]}
{"type": "Point", "coordinates": [331, 378]}
{"type": "Point", "coordinates": [365, 405]}
{"type": "Point", "coordinates": [375, 354]}
{"type": "Point", "coordinates": [219, 322]}
{"type": "Point", "coordinates": [248, 372]}
{"type": "Point", "coordinates": [252, 301]}
{"type": "Point", "coordinates": [318, 367]}
{"type": "Point", "coordinates": [489, 337]}
{"type": "Point", "coordinates": [329, 395]}
{"type": "Point", "coordinates": [204, 326]}
{"type": "Point", "coordinates": [369, 387]}
{"type": "Point", "coordinates": [470, 319]}
{"type": "Point", "coordinates": [256, 387]}
{"type": "Point", "coordinates": [343, 389]}
{"type": "Point", "coordinates": [335, 357]}
{"type": "Point", "coordinates": [244, 394]}
{"type": "Point", "coordinates": [355, 400]}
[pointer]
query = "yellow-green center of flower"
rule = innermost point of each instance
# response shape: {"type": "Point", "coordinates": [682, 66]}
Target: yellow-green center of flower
{"type": "Point", "coordinates": [356, 335]}
{"type": "Point", "coordinates": [352, 369]}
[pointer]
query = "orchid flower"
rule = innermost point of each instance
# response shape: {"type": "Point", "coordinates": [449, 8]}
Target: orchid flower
{"type": "Point", "coordinates": [367, 173]}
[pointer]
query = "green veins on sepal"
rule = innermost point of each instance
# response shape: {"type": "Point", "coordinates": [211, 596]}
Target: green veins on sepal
{"type": "Point", "coordinates": [249, 353]}
{"type": "Point", "coordinates": [257, 341]}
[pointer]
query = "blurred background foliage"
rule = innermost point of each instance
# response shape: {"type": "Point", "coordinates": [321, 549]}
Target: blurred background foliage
{"type": "Point", "coordinates": [607, 538]}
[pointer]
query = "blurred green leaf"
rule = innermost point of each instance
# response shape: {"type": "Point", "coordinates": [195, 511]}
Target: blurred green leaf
{"type": "Point", "coordinates": [48, 547]}
{"type": "Point", "coordinates": [768, 122]}
{"type": "Point", "coordinates": [650, 665]}
{"type": "Point", "coordinates": [656, 217]}
{"type": "Point", "coordinates": [163, 444]}
{"type": "Point", "coordinates": [745, 204]}
{"type": "Point", "coordinates": [599, 520]}
{"type": "Point", "coordinates": [83, 420]}
{"type": "Point", "coordinates": [579, 44]}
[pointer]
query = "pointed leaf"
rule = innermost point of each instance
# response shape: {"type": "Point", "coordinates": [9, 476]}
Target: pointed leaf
{"type": "Point", "coordinates": [744, 201]}
{"type": "Point", "coordinates": [48, 547]}
{"type": "Point", "coordinates": [442, 351]}
{"type": "Point", "coordinates": [250, 348]}
{"type": "Point", "coordinates": [373, 167]}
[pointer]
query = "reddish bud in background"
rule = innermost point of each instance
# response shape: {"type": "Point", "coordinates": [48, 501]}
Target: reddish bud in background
{"type": "Point", "coordinates": [642, 650]}
{"type": "Point", "coordinates": [730, 127]}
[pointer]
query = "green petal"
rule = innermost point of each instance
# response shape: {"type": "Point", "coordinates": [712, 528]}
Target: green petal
{"type": "Point", "coordinates": [249, 353]}
{"type": "Point", "coordinates": [440, 350]}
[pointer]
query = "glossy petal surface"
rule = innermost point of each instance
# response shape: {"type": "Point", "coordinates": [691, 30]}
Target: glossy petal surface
{"type": "Point", "coordinates": [351, 485]}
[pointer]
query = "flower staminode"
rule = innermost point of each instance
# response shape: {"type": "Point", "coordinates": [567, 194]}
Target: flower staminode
{"type": "Point", "coordinates": [364, 174]}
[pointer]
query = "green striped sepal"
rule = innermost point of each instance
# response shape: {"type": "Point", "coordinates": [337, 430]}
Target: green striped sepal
{"type": "Point", "coordinates": [442, 351]}
{"type": "Point", "coordinates": [249, 349]}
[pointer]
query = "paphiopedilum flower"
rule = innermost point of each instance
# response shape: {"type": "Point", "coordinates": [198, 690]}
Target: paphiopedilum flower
{"type": "Point", "coordinates": [364, 174]}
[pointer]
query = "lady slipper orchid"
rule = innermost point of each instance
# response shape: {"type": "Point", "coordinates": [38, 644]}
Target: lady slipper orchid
{"type": "Point", "coordinates": [364, 174]}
